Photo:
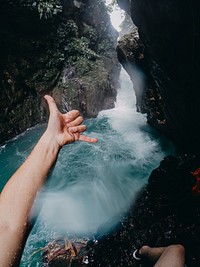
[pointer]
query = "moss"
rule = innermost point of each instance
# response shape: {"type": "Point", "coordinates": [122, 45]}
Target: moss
{"type": "Point", "coordinates": [83, 66]}
{"type": "Point", "coordinates": [91, 34]}
{"type": "Point", "coordinates": [104, 47]}
{"type": "Point", "coordinates": [77, 48]}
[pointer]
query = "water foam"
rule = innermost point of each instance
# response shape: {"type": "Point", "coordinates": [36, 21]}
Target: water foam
{"type": "Point", "coordinates": [92, 184]}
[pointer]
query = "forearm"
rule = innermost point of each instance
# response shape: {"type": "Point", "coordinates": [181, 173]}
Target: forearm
{"type": "Point", "coordinates": [18, 195]}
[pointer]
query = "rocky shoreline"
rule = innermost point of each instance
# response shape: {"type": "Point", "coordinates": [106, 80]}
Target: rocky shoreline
{"type": "Point", "coordinates": [165, 212]}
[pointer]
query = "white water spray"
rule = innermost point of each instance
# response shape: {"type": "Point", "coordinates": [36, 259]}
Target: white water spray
{"type": "Point", "coordinates": [104, 177]}
{"type": "Point", "coordinates": [92, 184]}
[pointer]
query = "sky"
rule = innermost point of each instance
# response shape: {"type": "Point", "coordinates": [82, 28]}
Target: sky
{"type": "Point", "coordinates": [116, 16]}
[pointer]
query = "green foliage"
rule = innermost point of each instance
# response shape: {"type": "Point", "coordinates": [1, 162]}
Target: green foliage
{"type": "Point", "coordinates": [77, 48]}
{"type": "Point", "coordinates": [92, 35]}
{"type": "Point", "coordinates": [83, 66]}
{"type": "Point", "coordinates": [104, 47]}
{"type": "Point", "coordinates": [54, 59]}
{"type": "Point", "coordinates": [67, 30]}
{"type": "Point", "coordinates": [46, 9]}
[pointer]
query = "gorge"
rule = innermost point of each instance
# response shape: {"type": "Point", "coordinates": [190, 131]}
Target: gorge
{"type": "Point", "coordinates": [71, 55]}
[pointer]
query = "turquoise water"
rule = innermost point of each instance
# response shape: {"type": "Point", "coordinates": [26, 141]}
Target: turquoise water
{"type": "Point", "coordinates": [91, 184]}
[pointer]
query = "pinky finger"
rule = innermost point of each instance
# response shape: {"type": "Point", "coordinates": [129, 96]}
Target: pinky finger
{"type": "Point", "coordinates": [87, 139]}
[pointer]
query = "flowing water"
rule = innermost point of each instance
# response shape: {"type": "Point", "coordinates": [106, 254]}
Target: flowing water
{"type": "Point", "coordinates": [91, 184]}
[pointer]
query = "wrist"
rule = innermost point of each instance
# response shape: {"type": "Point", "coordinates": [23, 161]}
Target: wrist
{"type": "Point", "coordinates": [51, 141]}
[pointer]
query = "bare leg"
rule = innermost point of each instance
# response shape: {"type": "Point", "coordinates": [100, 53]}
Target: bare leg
{"type": "Point", "coordinates": [153, 254]}
{"type": "Point", "coordinates": [173, 256]}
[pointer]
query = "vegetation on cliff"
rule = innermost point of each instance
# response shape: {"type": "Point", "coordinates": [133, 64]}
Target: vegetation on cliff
{"type": "Point", "coordinates": [66, 49]}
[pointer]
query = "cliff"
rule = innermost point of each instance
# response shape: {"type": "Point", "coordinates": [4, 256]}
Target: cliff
{"type": "Point", "coordinates": [66, 50]}
{"type": "Point", "coordinates": [170, 37]}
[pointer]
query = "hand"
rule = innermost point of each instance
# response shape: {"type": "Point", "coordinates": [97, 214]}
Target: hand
{"type": "Point", "coordinates": [66, 128]}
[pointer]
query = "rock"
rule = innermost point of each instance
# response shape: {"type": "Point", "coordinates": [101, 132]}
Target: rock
{"type": "Point", "coordinates": [66, 252]}
{"type": "Point", "coordinates": [130, 51]}
{"type": "Point", "coordinates": [165, 212]}
{"type": "Point", "coordinates": [70, 55]}
{"type": "Point", "coordinates": [132, 55]}
{"type": "Point", "coordinates": [125, 5]}
{"type": "Point", "coordinates": [169, 32]}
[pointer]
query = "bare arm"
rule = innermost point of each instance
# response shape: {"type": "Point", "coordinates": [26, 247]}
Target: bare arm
{"type": "Point", "coordinates": [19, 193]}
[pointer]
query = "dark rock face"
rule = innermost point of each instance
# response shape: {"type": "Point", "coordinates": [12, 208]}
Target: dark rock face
{"type": "Point", "coordinates": [170, 33]}
{"type": "Point", "coordinates": [130, 53]}
{"type": "Point", "coordinates": [125, 5]}
{"type": "Point", "coordinates": [165, 211]}
{"type": "Point", "coordinates": [169, 36]}
{"type": "Point", "coordinates": [70, 55]}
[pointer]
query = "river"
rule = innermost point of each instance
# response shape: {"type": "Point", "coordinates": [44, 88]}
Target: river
{"type": "Point", "coordinates": [91, 184]}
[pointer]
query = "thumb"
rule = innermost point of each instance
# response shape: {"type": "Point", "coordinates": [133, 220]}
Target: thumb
{"type": "Point", "coordinates": [51, 103]}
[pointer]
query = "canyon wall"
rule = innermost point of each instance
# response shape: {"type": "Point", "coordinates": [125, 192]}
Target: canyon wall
{"type": "Point", "coordinates": [66, 50]}
{"type": "Point", "coordinates": [169, 37]}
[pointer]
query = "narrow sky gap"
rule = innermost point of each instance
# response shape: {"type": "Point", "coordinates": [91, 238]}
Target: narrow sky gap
{"type": "Point", "coordinates": [116, 16]}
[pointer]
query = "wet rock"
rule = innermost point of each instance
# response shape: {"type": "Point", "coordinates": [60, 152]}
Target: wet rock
{"type": "Point", "coordinates": [130, 51]}
{"type": "Point", "coordinates": [165, 212]}
{"type": "Point", "coordinates": [169, 32]}
{"type": "Point", "coordinates": [71, 252]}
{"type": "Point", "coordinates": [132, 55]}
